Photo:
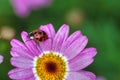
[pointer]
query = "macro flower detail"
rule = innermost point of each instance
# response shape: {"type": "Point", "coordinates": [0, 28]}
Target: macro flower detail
{"type": "Point", "coordinates": [22, 8]}
{"type": "Point", "coordinates": [1, 59]}
{"type": "Point", "coordinates": [51, 64]}
{"type": "Point", "coordinates": [60, 57]}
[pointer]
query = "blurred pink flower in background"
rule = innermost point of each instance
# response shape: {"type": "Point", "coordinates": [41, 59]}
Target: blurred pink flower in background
{"type": "Point", "coordinates": [22, 8]}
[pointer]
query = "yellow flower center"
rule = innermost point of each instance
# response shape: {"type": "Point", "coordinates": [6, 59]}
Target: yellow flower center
{"type": "Point", "coordinates": [51, 66]}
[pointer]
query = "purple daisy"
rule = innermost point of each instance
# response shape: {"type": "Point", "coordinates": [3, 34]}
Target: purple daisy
{"type": "Point", "coordinates": [22, 8]}
{"type": "Point", "coordinates": [1, 59]}
{"type": "Point", "coordinates": [60, 57]}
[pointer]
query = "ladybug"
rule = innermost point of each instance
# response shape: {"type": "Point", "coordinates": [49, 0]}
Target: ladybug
{"type": "Point", "coordinates": [38, 35]}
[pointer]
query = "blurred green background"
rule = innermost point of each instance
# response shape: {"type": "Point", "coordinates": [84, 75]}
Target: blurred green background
{"type": "Point", "coordinates": [98, 19]}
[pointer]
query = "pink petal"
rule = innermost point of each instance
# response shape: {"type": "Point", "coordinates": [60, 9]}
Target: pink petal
{"type": "Point", "coordinates": [76, 47]}
{"type": "Point", "coordinates": [30, 44]}
{"type": "Point", "coordinates": [70, 40]}
{"type": "Point", "coordinates": [15, 52]}
{"type": "Point", "coordinates": [17, 45]}
{"type": "Point", "coordinates": [49, 29]}
{"type": "Point", "coordinates": [21, 62]}
{"type": "Point", "coordinates": [82, 75]}
{"type": "Point", "coordinates": [1, 59]}
{"type": "Point", "coordinates": [60, 37]}
{"type": "Point", "coordinates": [30, 78]}
{"type": "Point", "coordinates": [84, 59]}
{"type": "Point", "coordinates": [20, 8]}
{"type": "Point", "coordinates": [18, 73]}
{"type": "Point", "coordinates": [47, 45]}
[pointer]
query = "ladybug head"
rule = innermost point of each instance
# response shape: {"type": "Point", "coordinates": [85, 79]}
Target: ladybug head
{"type": "Point", "coordinates": [31, 35]}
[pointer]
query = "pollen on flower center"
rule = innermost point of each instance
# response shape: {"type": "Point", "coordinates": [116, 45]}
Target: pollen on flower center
{"type": "Point", "coordinates": [51, 66]}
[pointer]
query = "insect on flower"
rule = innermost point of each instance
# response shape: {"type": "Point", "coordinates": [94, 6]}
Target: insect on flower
{"type": "Point", "coordinates": [38, 35]}
{"type": "Point", "coordinates": [57, 56]}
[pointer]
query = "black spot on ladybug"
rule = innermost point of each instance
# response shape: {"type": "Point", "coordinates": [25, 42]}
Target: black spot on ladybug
{"type": "Point", "coordinates": [38, 36]}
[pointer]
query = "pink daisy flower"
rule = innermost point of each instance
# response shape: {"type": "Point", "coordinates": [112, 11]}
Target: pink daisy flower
{"type": "Point", "coordinates": [22, 8]}
{"type": "Point", "coordinates": [60, 57]}
{"type": "Point", "coordinates": [1, 59]}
